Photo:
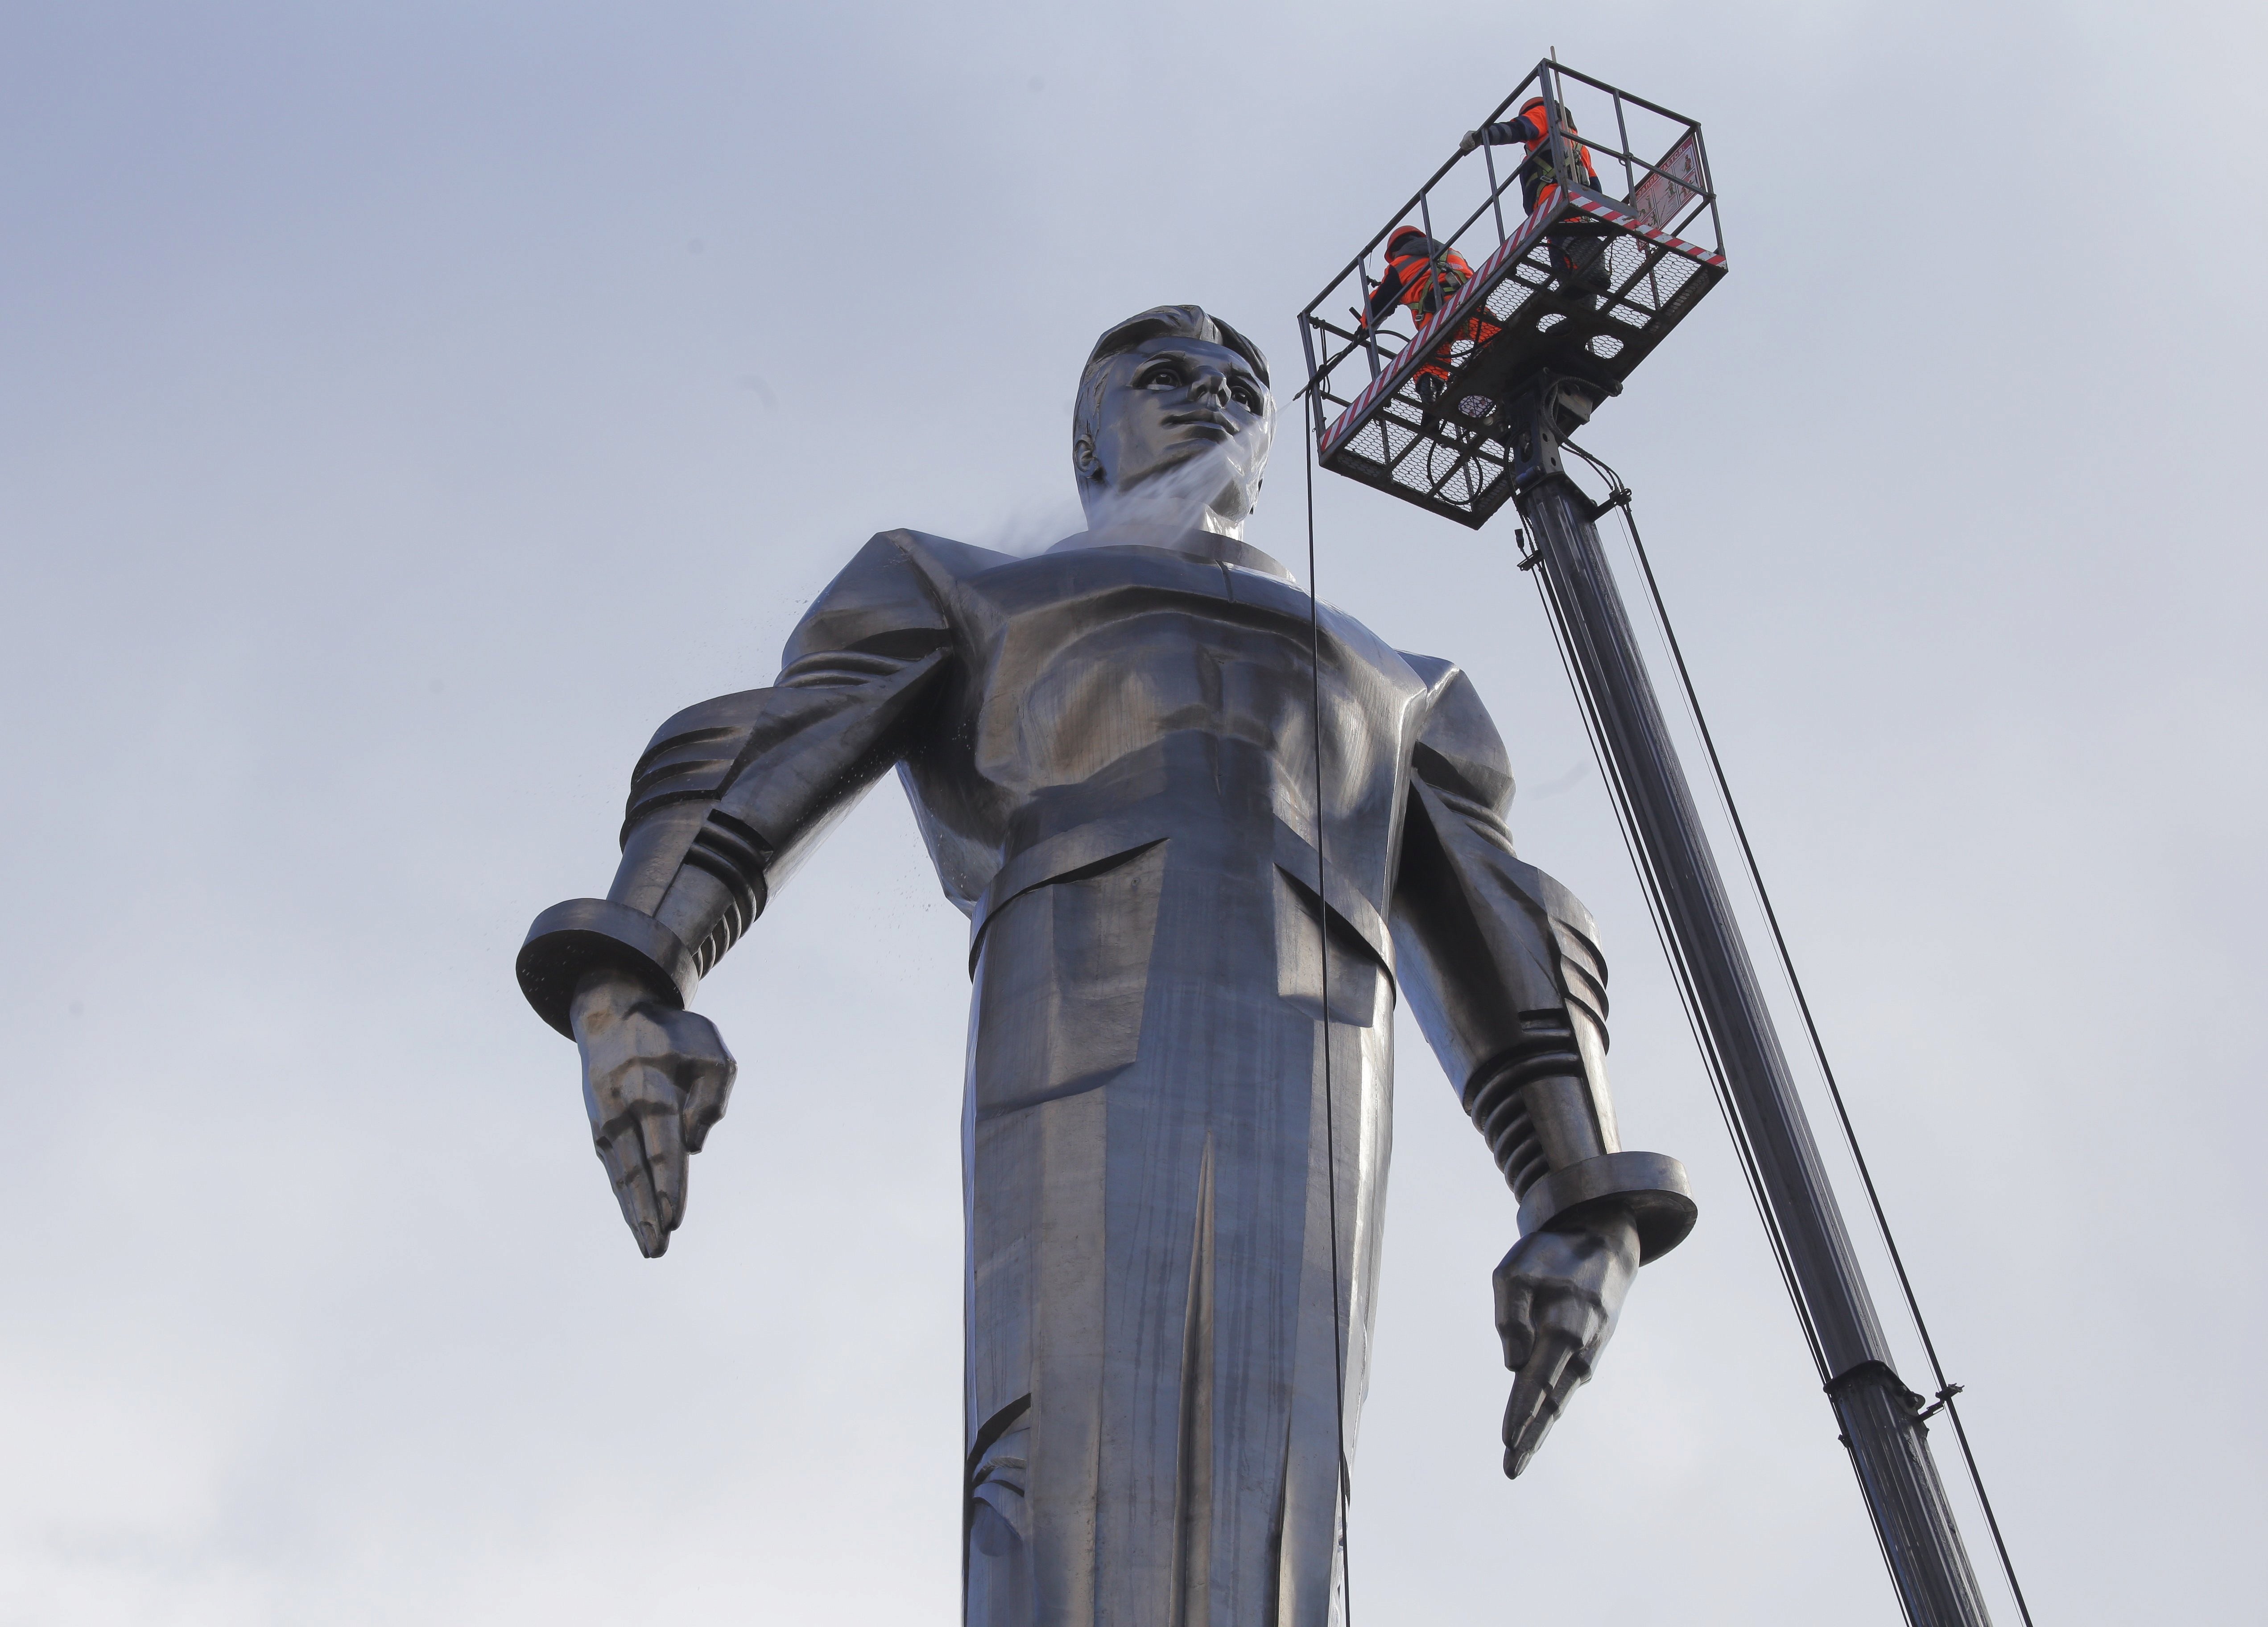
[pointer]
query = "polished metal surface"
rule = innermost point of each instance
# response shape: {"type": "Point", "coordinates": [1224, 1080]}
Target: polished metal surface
{"type": "Point", "coordinates": [1880, 1418]}
{"type": "Point", "coordinates": [1177, 1118]}
{"type": "Point", "coordinates": [1652, 1188]}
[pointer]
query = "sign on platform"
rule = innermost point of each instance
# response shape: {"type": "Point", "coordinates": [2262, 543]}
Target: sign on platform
{"type": "Point", "coordinates": [1662, 197]}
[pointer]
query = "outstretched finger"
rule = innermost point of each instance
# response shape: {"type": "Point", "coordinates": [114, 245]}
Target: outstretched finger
{"type": "Point", "coordinates": [662, 1138]}
{"type": "Point", "coordinates": [623, 1154]}
{"type": "Point", "coordinates": [1537, 1393]}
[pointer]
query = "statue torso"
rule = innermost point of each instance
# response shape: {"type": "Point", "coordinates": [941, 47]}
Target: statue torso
{"type": "Point", "coordinates": [1129, 692]}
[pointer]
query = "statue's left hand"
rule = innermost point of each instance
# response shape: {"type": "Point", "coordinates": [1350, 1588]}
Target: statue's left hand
{"type": "Point", "coordinates": [655, 1081]}
{"type": "Point", "coordinates": [1558, 1294]}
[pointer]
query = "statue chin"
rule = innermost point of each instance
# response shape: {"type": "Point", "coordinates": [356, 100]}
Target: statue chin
{"type": "Point", "coordinates": [1132, 517]}
{"type": "Point", "coordinates": [1204, 493]}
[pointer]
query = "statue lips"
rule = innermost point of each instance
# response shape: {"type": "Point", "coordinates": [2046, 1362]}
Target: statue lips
{"type": "Point", "coordinates": [1225, 427]}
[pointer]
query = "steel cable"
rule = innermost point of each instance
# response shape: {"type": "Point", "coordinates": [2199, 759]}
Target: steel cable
{"type": "Point", "coordinates": [1331, 1113]}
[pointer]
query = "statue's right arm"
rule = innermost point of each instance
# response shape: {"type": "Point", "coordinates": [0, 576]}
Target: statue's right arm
{"type": "Point", "coordinates": [726, 800]}
{"type": "Point", "coordinates": [1502, 968]}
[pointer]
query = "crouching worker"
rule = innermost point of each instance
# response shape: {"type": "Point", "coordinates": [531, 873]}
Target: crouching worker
{"type": "Point", "coordinates": [1426, 276]}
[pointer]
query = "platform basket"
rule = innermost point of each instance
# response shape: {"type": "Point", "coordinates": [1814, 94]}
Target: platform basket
{"type": "Point", "coordinates": [1569, 296]}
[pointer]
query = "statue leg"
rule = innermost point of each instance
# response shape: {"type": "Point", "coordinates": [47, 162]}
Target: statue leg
{"type": "Point", "coordinates": [1153, 1400]}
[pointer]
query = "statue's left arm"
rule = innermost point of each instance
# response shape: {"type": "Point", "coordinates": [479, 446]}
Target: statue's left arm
{"type": "Point", "coordinates": [724, 801]}
{"type": "Point", "coordinates": [1502, 969]}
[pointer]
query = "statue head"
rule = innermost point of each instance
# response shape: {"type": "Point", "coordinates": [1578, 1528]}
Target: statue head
{"type": "Point", "coordinates": [1173, 424]}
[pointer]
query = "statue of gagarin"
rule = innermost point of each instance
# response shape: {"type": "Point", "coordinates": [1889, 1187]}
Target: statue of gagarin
{"type": "Point", "coordinates": [1180, 1060]}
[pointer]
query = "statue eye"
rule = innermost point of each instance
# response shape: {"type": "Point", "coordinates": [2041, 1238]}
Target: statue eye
{"type": "Point", "coordinates": [1245, 396]}
{"type": "Point", "coordinates": [1161, 378]}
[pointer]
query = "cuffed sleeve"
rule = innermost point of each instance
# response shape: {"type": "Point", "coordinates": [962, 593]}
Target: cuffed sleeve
{"type": "Point", "coordinates": [1383, 296]}
{"type": "Point", "coordinates": [730, 795]}
{"type": "Point", "coordinates": [1521, 129]}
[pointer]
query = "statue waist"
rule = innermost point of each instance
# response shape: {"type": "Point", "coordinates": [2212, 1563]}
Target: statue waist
{"type": "Point", "coordinates": [1216, 800]}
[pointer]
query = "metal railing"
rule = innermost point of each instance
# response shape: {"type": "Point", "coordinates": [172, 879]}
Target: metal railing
{"type": "Point", "coordinates": [1658, 155]}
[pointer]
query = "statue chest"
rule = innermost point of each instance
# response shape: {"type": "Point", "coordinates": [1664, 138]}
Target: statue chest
{"type": "Point", "coordinates": [1078, 662]}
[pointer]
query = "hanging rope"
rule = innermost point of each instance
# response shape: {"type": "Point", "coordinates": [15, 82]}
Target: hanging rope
{"type": "Point", "coordinates": [1619, 496]}
{"type": "Point", "coordinates": [1331, 1111]}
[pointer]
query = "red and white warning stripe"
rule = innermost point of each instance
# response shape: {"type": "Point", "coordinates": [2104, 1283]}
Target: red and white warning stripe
{"type": "Point", "coordinates": [1451, 317]}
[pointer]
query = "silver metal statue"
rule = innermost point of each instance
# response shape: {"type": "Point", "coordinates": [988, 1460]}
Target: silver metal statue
{"type": "Point", "coordinates": [1185, 963]}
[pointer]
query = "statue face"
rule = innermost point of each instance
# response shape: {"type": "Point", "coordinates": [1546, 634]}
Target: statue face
{"type": "Point", "coordinates": [1179, 437]}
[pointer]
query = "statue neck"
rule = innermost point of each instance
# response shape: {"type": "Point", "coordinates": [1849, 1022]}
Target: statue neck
{"type": "Point", "coordinates": [1192, 541]}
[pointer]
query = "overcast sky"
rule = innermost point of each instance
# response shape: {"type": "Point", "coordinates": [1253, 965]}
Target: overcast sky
{"type": "Point", "coordinates": [404, 408]}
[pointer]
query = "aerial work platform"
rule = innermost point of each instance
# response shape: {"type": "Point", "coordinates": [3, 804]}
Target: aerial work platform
{"type": "Point", "coordinates": [1486, 321]}
{"type": "Point", "coordinates": [1562, 301]}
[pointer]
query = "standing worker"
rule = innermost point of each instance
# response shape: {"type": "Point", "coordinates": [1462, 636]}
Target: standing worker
{"type": "Point", "coordinates": [1577, 259]}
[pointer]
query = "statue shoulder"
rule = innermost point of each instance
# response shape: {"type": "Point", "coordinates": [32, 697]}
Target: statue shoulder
{"type": "Point", "coordinates": [896, 597]}
{"type": "Point", "coordinates": [1432, 670]}
{"type": "Point", "coordinates": [941, 556]}
{"type": "Point", "coordinates": [1459, 749]}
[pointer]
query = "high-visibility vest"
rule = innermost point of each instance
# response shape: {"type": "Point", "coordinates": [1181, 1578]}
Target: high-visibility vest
{"type": "Point", "coordinates": [1417, 271]}
{"type": "Point", "coordinates": [1580, 170]}
{"type": "Point", "coordinates": [1429, 282]}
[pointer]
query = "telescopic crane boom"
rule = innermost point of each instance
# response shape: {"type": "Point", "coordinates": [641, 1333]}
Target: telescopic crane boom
{"type": "Point", "coordinates": [1551, 310]}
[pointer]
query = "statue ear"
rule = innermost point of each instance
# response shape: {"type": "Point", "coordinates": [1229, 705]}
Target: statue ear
{"type": "Point", "coordinates": [1084, 459]}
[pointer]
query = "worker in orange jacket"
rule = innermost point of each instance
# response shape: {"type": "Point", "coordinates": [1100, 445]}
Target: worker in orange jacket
{"type": "Point", "coordinates": [1575, 256]}
{"type": "Point", "coordinates": [1425, 275]}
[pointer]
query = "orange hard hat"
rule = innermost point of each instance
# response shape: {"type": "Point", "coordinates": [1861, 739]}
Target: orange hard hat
{"type": "Point", "coordinates": [1566, 116]}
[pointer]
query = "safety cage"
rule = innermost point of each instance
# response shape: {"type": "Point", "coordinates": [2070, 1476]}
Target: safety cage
{"type": "Point", "coordinates": [1555, 302]}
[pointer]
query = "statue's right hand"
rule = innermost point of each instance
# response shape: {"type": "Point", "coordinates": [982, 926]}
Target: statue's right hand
{"type": "Point", "coordinates": [655, 1081]}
